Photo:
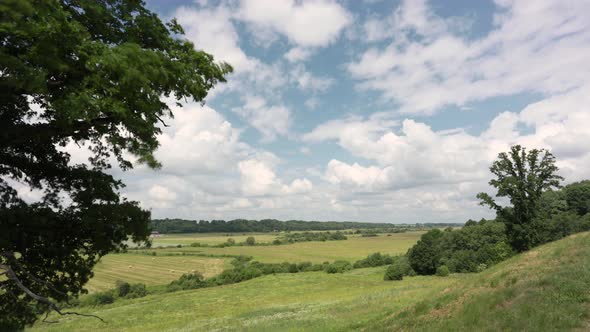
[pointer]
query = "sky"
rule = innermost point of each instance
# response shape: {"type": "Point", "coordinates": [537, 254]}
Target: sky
{"type": "Point", "coordinates": [376, 111]}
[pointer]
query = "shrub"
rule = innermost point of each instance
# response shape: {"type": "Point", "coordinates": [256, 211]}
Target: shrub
{"type": "Point", "coordinates": [230, 242]}
{"type": "Point", "coordinates": [338, 267]}
{"type": "Point", "coordinates": [394, 272]}
{"type": "Point", "coordinates": [425, 254]}
{"type": "Point", "coordinates": [442, 271]}
{"type": "Point", "coordinates": [250, 241]}
{"type": "Point", "coordinates": [188, 281]}
{"type": "Point", "coordinates": [137, 291]}
{"type": "Point", "coordinates": [195, 244]}
{"type": "Point", "coordinates": [122, 288]}
{"type": "Point", "coordinates": [101, 298]}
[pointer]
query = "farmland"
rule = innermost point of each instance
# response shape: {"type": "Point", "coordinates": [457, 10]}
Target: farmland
{"type": "Point", "coordinates": [356, 247]}
{"type": "Point", "coordinates": [150, 270]}
{"type": "Point", "coordinates": [170, 263]}
{"type": "Point", "coordinates": [209, 238]}
{"type": "Point", "coordinates": [537, 290]}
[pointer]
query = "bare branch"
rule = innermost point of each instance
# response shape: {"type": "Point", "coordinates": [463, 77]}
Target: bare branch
{"type": "Point", "coordinates": [162, 121]}
{"type": "Point", "coordinates": [12, 276]}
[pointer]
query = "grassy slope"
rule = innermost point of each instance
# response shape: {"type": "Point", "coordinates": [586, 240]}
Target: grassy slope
{"type": "Point", "coordinates": [150, 270]}
{"type": "Point", "coordinates": [545, 289]}
{"type": "Point", "coordinates": [353, 249]}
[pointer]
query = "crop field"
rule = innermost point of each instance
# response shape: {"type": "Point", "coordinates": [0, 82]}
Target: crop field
{"type": "Point", "coordinates": [355, 248]}
{"type": "Point", "coordinates": [536, 291]}
{"type": "Point", "coordinates": [150, 270]}
{"type": "Point", "coordinates": [168, 265]}
{"type": "Point", "coordinates": [209, 238]}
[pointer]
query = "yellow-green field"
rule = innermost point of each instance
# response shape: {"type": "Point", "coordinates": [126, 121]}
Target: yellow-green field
{"type": "Point", "coordinates": [353, 249]}
{"type": "Point", "coordinates": [150, 270]}
{"type": "Point", "coordinates": [209, 238]}
{"type": "Point", "coordinates": [545, 289]}
{"type": "Point", "coordinates": [167, 265]}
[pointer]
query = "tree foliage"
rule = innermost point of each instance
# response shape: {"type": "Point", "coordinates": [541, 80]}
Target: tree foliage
{"type": "Point", "coordinates": [522, 177]}
{"type": "Point", "coordinates": [90, 73]}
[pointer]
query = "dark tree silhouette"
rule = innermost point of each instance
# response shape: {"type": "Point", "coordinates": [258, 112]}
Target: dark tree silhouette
{"type": "Point", "coordinates": [91, 72]}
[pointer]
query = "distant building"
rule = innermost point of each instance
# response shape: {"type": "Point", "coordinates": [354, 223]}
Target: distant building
{"type": "Point", "coordinates": [155, 234]}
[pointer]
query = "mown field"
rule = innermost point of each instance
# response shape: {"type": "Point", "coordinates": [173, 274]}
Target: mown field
{"type": "Point", "coordinates": [150, 270]}
{"type": "Point", "coordinates": [168, 264]}
{"type": "Point", "coordinates": [355, 248]}
{"type": "Point", "coordinates": [545, 289]}
{"type": "Point", "coordinates": [209, 238]}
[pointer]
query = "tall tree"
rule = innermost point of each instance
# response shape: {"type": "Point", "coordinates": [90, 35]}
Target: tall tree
{"type": "Point", "coordinates": [522, 177]}
{"type": "Point", "coordinates": [90, 72]}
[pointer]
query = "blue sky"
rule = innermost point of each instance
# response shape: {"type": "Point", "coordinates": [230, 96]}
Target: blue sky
{"type": "Point", "coordinates": [386, 111]}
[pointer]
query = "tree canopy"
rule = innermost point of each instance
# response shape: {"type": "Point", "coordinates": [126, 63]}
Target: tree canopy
{"type": "Point", "coordinates": [522, 177]}
{"type": "Point", "coordinates": [92, 73]}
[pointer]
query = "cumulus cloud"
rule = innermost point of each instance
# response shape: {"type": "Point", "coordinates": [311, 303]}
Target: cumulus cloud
{"type": "Point", "coordinates": [416, 155]}
{"type": "Point", "coordinates": [259, 179]}
{"type": "Point", "coordinates": [539, 46]}
{"type": "Point", "coordinates": [270, 121]}
{"type": "Point", "coordinates": [304, 23]}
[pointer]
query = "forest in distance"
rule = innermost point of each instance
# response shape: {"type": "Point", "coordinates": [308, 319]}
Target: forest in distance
{"type": "Point", "coordinates": [272, 225]}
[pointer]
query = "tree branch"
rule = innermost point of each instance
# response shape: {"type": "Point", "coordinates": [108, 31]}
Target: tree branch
{"type": "Point", "coordinates": [12, 276]}
{"type": "Point", "coordinates": [162, 121]}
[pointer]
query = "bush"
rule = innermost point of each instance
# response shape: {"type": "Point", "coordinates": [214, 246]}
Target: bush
{"type": "Point", "coordinates": [101, 298]}
{"type": "Point", "coordinates": [250, 241]}
{"type": "Point", "coordinates": [424, 256]}
{"type": "Point", "coordinates": [188, 281]}
{"type": "Point", "coordinates": [122, 288]}
{"type": "Point", "coordinates": [394, 272]}
{"type": "Point", "coordinates": [338, 267]}
{"type": "Point", "coordinates": [137, 291]}
{"type": "Point", "coordinates": [442, 271]}
{"type": "Point", "coordinates": [195, 244]}
{"type": "Point", "coordinates": [374, 260]}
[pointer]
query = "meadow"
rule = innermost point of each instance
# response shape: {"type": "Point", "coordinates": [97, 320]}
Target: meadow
{"type": "Point", "coordinates": [150, 270]}
{"type": "Point", "coordinates": [355, 248]}
{"type": "Point", "coordinates": [209, 238]}
{"type": "Point", "coordinates": [544, 289]}
{"type": "Point", "coordinates": [170, 263]}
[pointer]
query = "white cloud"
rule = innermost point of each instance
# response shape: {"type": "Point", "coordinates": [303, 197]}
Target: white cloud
{"type": "Point", "coordinates": [539, 46]}
{"type": "Point", "coordinates": [418, 156]}
{"type": "Point", "coordinates": [259, 179]}
{"type": "Point", "coordinates": [304, 23]}
{"type": "Point", "coordinates": [270, 121]}
{"type": "Point", "coordinates": [307, 81]}
{"type": "Point", "coordinates": [338, 172]}
{"type": "Point", "coordinates": [199, 139]}
{"type": "Point", "coordinates": [297, 54]}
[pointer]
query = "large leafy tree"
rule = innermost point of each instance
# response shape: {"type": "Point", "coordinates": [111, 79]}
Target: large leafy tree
{"type": "Point", "coordinates": [90, 72]}
{"type": "Point", "coordinates": [522, 177]}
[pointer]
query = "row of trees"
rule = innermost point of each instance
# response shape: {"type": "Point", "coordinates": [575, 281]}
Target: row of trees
{"type": "Point", "coordinates": [264, 225]}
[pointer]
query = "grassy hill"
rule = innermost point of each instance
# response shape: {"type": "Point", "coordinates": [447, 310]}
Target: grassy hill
{"type": "Point", "coordinates": [542, 290]}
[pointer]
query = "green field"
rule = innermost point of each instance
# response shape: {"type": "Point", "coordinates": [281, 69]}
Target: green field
{"type": "Point", "coordinates": [167, 265]}
{"type": "Point", "coordinates": [353, 249]}
{"type": "Point", "coordinates": [150, 270]}
{"type": "Point", "coordinates": [542, 290]}
{"type": "Point", "coordinates": [209, 238]}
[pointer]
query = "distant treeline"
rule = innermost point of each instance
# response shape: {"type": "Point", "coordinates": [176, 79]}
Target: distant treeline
{"type": "Point", "coordinates": [270, 225]}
